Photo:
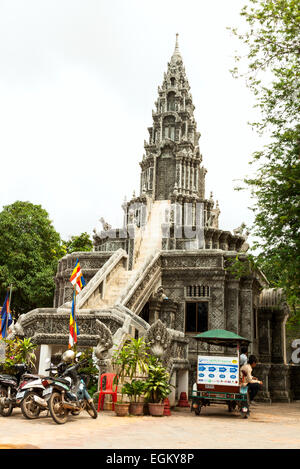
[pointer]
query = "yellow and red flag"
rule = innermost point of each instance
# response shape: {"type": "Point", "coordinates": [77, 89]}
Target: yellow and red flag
{"type": "Point", "coordinates": [77, 278]}
{"type": "Point", "coordinates": [78, 283]}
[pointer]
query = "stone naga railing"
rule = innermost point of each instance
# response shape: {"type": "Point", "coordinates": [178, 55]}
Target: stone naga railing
{"type": "Point", "coordinates": [97, 283]}
{"type": "Point", "coordinates": [142, 284]}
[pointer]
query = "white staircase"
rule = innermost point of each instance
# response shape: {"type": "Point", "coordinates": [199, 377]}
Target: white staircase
{"type": "Point", "coordinates": [152, 236]}
{"type": "Point", "coordinates": [115, 280]}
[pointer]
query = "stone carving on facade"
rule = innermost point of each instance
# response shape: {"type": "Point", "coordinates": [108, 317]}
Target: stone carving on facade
{"type": "Point", "coordinates": [160, 295]}
{"type": "Point", "coordinates": [245, 246]}
{"type": "Point", "coordinates": [15, 330]}
{"type": "Point", "coordinates": [158, 338]}
{"type": "Point", "coordinates": [239, 230]}
{"type": "Point", "coordinates": [106, 226]}
{"type": "Point", "coordinates": [105, 341]}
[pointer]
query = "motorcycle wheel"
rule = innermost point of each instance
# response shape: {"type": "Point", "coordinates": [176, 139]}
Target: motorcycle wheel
{"type": "Point", "coordinates": [91, 409]}
{"type": "Point", "coordinates": [30, 409]}
{"type": "Point", "coordinates": [5, 411]}
{"type": "Point", "coordinates": [57, 411]}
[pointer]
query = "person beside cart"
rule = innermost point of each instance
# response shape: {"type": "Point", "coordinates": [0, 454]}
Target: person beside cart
{"type": "Point", "coordinates": [243, 356]}
{"type": "Point", "coordinates": [247, 379]}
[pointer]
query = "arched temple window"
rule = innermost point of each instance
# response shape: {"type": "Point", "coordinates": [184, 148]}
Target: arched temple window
{"type": "Point", "coordinates": [169, 127]}
{"type": "Point", "coordinates": [171, 101]}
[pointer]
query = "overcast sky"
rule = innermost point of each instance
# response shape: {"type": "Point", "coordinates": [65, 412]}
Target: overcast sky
{"type": "Point", "coordinates": [78, 81]}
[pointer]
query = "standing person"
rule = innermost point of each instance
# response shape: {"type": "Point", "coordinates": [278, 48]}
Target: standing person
{"type": "Point", "coordinates": [247, 379]}
{"type": "Point", "coordinates": [243, 356]}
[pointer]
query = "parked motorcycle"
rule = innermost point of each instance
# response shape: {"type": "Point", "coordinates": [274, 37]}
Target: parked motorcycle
{"type": "Point", "coordinates": [30, 393]}
{"type": "Point", "coordinates": [68, 393]}
{"type": "Point", "coordinates": [9, 387]}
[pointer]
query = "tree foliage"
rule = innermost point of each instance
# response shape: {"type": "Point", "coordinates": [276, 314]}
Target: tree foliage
{"type": "Point", "coordinates": [29, 252]}
{"type": "Point", "coordinates": [81, 242]}
{"type": "Point", "coordinates": [272, 42]}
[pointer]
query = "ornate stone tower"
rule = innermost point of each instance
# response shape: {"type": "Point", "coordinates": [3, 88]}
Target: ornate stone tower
{"type": "Point", "coordinates": [172, 179]}
{"type": "Point", "coordinates": [171, 165]}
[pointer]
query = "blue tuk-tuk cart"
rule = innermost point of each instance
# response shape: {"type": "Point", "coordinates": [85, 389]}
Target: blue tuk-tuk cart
{"type": "Point", "coordinates": [218, 376]}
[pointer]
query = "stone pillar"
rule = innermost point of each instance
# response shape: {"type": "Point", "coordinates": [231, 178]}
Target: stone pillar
{"type": "Point", "coordinates": [216, 316]}
{"type": "Point", "coordinates": [262, 372]}
{"type": "Point", "coordinates": [154, 311]}
{"type": "Point", "coordinates": [45, 352]}
{"type": "Point", "coordinates": [278, 336]}
{"type": "Point", "coordinates": [168, 313]}
{"type": "Point", "coordinates": [264, 336]}
{"type": "Point", "coordinates": [280, 383]}
{"type": "Point", "coordinates": [180, 175]}
{"type": "Point", "coordinates": [189, 177]}
{"type": "Point", "coordinates": [246, 306]}
{"type": "Point", "coordinates": [232, 305]}
{"type": "Point", "coordinates": [172, 395]}
{"type": "Point", "coordinates": [183, 382]}
{"type": "Point", "coordinates": [192, 178]}
{"type": "Point", "coordinates": [184, 177]}
{"type": "Point", "coordinates": [131, 244]}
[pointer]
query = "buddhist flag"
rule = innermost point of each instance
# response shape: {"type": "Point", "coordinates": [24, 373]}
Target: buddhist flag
{"type": "Point", "coordinates": [73, 330]}
{"type": "Point", "coordinates": [6, 318]}
{"type": "Point", "coordinates": [77, 278]}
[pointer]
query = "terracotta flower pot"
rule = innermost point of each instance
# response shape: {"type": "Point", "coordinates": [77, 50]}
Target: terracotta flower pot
{"type": "Point", "coordinates": [121, 408]}
{"type": "Point", "coordinates": [136, 408]}
{"type": "Point", "coordinates": [157, 410]}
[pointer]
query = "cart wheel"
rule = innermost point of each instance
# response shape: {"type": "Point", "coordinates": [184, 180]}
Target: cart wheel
{"type": "Point", "coordinates": [245, 412]}
{"type": "Point", "coordinates": [198, 409]}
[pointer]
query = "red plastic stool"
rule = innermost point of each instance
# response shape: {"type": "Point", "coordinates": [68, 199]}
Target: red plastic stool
{"type": "Point", "coordinates": [108, 390]}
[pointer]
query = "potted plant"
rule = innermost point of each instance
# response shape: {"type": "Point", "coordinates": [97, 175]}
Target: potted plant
{"type": "Point", "coordinates": [130, 361]}
{"type": "Point", "coordinates": [120, 364]}
{"type": "Point", "coordinates": [134, 390]}
{"type": "Point", "coordinates": [157, 388]}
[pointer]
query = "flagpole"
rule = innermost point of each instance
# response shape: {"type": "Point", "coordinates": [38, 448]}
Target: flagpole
{"type": "Point", "coordinates": [8, 311]}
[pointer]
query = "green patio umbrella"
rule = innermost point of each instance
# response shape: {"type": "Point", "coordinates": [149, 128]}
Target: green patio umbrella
{"type": "Point", "coordinates": [222, 337]}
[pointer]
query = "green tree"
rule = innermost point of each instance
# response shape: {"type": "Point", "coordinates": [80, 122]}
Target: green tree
{"type": "Point", "coordinates": [272, 43]}
{"type": "Point", "coordinates": [82, 242]}
{"type": "Point", "coordinates": [29, 252]}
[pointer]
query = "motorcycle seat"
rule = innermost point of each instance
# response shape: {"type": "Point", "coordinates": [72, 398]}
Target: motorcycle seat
{"type": "Point", "coordinates": [62, 380]}
{"type": "Point", "coordinates": [4, 376]}
{"type": "Point", "coordinates": [30, 376]}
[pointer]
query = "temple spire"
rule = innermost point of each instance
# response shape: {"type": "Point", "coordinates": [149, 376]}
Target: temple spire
{"type": "Point", "coordinates": [176, 52]}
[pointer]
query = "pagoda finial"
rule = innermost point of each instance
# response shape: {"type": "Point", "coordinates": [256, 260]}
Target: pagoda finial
{"type": "Point", "coordinates": [176, 53]}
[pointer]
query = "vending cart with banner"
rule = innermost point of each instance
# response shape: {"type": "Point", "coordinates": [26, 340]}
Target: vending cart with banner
{"type": "Point", "coordinates": [218, 376]}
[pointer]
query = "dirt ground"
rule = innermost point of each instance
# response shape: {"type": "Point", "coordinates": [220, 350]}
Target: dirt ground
{"type": "Point", "coordinates": [269, 426]}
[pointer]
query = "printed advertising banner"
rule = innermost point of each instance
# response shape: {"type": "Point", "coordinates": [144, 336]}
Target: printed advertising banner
{"type": "Point", "coordinates": [215, 370]}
